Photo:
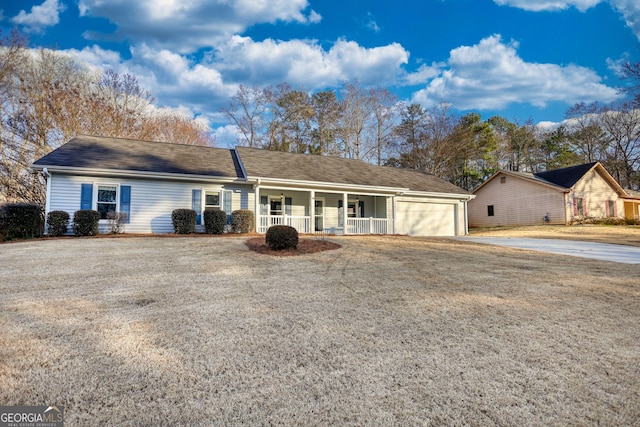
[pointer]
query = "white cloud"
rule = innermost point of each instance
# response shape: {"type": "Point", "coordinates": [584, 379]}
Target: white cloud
{"type": "Point", "coordinates": [548, 5]}
{"type": "Point", "coordinates": [45, 15]}
{"type": "Point", "coordinates": [305, 62]}
{"type": "Point", "coordinates": [491, 75]}
{"type": "Point", "coordinates": [630, 9]}
{"type": "Point", "coordinates": [423, 74]}
{"type": "Point", "coordinates": [314, 17]}
{"type": "Point", "coordinates": [189, 26]}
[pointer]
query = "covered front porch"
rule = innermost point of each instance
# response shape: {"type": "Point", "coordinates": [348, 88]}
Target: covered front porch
{"type": "Point", "coordinates": [323, 212]}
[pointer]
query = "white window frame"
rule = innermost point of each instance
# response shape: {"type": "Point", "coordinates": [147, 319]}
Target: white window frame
{"type": "Point", "coordinates": [282, 207]}
{"type": "Point", "coordinates": [204, 199]}
{"type": "Point", "coordinates": [94, 201]}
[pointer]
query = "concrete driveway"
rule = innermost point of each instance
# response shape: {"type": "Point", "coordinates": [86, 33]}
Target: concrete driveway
{"type": "Point", "coordinates": [600, 251]}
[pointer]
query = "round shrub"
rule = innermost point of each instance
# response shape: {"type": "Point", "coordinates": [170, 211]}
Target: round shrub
{"type": "Point", "coordinates": [242, 221]}
{"type": "Point", "coordinates": [57, 223]}
{"type": "Point", "coordinates": [215, 221]}
{"type": "Point", "coordinates": [21, 220]}
{"type": "Point", "coordinates": [85, 222]}
{"type": "Point", "coordinates": [281, 237]}
{"type": "Point", "coordinates": [184, 221]}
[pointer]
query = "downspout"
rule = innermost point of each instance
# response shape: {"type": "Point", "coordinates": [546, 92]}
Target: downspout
{"type": "Point", "coordinates": [47, 200]}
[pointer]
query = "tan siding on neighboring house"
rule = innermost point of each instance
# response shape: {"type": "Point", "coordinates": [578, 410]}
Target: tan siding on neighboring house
{"type": "Point", "coordinates": [596, 191]}
{"type": "Point", "coordinates": [517, 201]}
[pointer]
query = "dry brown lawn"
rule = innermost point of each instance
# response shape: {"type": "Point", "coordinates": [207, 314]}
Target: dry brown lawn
{"type": "Point", "coordinates": [383, 331]}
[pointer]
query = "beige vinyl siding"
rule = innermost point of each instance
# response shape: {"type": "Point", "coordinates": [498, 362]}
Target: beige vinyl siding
{"type": "Point", "coordinates": [517, 201]}
{"type": "Point", "coordinates": [595, 191]}
{"type": "Point", "coordinates": [152, 201]}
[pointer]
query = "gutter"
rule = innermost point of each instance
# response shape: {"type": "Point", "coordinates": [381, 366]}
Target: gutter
{"type": "Point", "coordinates": [140, 174]}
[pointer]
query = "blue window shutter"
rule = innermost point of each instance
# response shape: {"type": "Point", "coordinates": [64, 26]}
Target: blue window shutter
{"type": "Point", "coordinates": [340, 213]}
{"type": "Point", "coordinates": [226, 203]}
{"type": "Point", "coordinates": [125, 202]}
{"type": "Point", "coordinates": [361, 208]}
{"type": "Point", "coordinates": [196, 204]}
{"type": "Point", "coordinates": [287, 205]}
{"type": "Point", "coordinates": [86, 196]}
{"type": "Point", "coordinates": [264, 205]}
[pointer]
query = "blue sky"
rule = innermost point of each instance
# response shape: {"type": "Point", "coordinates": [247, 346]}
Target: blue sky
{"type": "Point", "coordinates": [521, 59]}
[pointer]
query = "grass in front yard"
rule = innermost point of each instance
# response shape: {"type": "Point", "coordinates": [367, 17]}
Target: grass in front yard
{"type": "Point", "coordinates": [385, 330]}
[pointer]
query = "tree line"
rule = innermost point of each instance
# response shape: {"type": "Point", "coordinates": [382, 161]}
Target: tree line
{"type": "Point", "coordinates": [47, 98]}
{"type": "Point", "coordinates": [369, 123]}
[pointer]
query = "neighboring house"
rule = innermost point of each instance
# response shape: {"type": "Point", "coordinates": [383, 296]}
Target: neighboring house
{"type": "Point", "coordinates": [148, 180]}
{"type": "Point", "coordinates": [557, 197]}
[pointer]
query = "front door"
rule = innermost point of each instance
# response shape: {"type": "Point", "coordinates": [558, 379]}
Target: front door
{"type": "Point", "coordinates": [318, 214]}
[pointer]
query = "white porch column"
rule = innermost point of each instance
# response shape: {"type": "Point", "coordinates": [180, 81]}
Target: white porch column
{"type": "Point", "coordinates": [256, 207]}
{"type": "Point", "coordinates": [393, 213]}
{"type": "Point", "coordinates": [312, 212]}
{"type": "Point", "coordinates": [345, 207]}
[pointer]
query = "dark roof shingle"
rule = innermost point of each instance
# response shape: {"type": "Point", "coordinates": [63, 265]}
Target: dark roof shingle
{"type": "Point", "coordinates": [566, 177]}
{"type": "Point", "coordinates": [302, 167]}
{"type": "Point", "coordinates": [89, 152]}
{"type": "Point", "coordinates": [145, 156]}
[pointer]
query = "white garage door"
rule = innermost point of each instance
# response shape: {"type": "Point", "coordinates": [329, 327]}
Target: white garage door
{"type": "Point", "coordinates": [425, 219]}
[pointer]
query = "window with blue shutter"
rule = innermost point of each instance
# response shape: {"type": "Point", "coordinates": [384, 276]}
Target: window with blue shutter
{"type": "Point", "coordinates": [196, 204]}
{"type": "Point", "coordinates": [86, 197]}
{"type": "Point", "coordinates": [125, 202]}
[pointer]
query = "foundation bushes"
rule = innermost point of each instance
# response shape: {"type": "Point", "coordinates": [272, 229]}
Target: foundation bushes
{"type": "Point", "coordinates": [214, 221]}
{"type": "Point", "coordinates": [184, 221]}
{"type": "Point", "coordinates": [242, 221]}
{"type": "Point", "coordinates": [57, 223]}
{"type": "Point", "coordinates": [85, 222]}
{"type": "Point", "coordinates": [21, 220]}
{"type": "Point", "coordinates": [280, 237]}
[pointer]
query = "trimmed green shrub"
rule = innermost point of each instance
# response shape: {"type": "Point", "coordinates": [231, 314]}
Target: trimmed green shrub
{"type": "Point", "coordinates": [215, 221]}
{"type": "Point", "coordinates": [184, 221]}
{"type": "Point", "coordinates": [242, 221]}
{"type": "Point", "coordinates": [281, 237]}
{"type": "Point", "coordinates": [57, 223]}
{"type": "Point", "coordinates": [85, 222]}
{"type": "Point", "coordinates": [21, 220]}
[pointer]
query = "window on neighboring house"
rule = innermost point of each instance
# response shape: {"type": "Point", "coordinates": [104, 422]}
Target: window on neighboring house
{"type": "Point", "coordinates": [490, 210]}
{"type": "Point", "coordinates": [107, 200]}
{"type": "Point", "coordinates": [211, 200]}
{"type": "Point", "coordinates": [579, 206]}
{"type": "Point", "coordinates": [611, 208]}
{"type": "Point", "coordinates": [503, 179]}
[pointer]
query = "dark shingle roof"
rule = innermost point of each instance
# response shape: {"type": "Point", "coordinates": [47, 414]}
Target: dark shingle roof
{"type": "Point", "coordinates": [566, 177]}
{"type": "Point", "coordinates": [89, 152]}
{"type": "Point", "coordinates": [336, 170]}
{"type": "Point", "coordinates": [145, 156]}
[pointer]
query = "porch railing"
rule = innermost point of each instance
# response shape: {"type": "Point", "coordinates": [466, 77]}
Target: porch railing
{"type": "Point", "coordinates": [304, 225]}
{"type": "Point", "coordinates": [366, 226]}
{"type": "Point", "coordinates": [300, 223]}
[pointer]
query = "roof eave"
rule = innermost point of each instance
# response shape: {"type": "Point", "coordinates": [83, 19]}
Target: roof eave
{"type": "Point", "coordinates": [137, 174]}
{"type": "Point", "coordinates": [322, 184]}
